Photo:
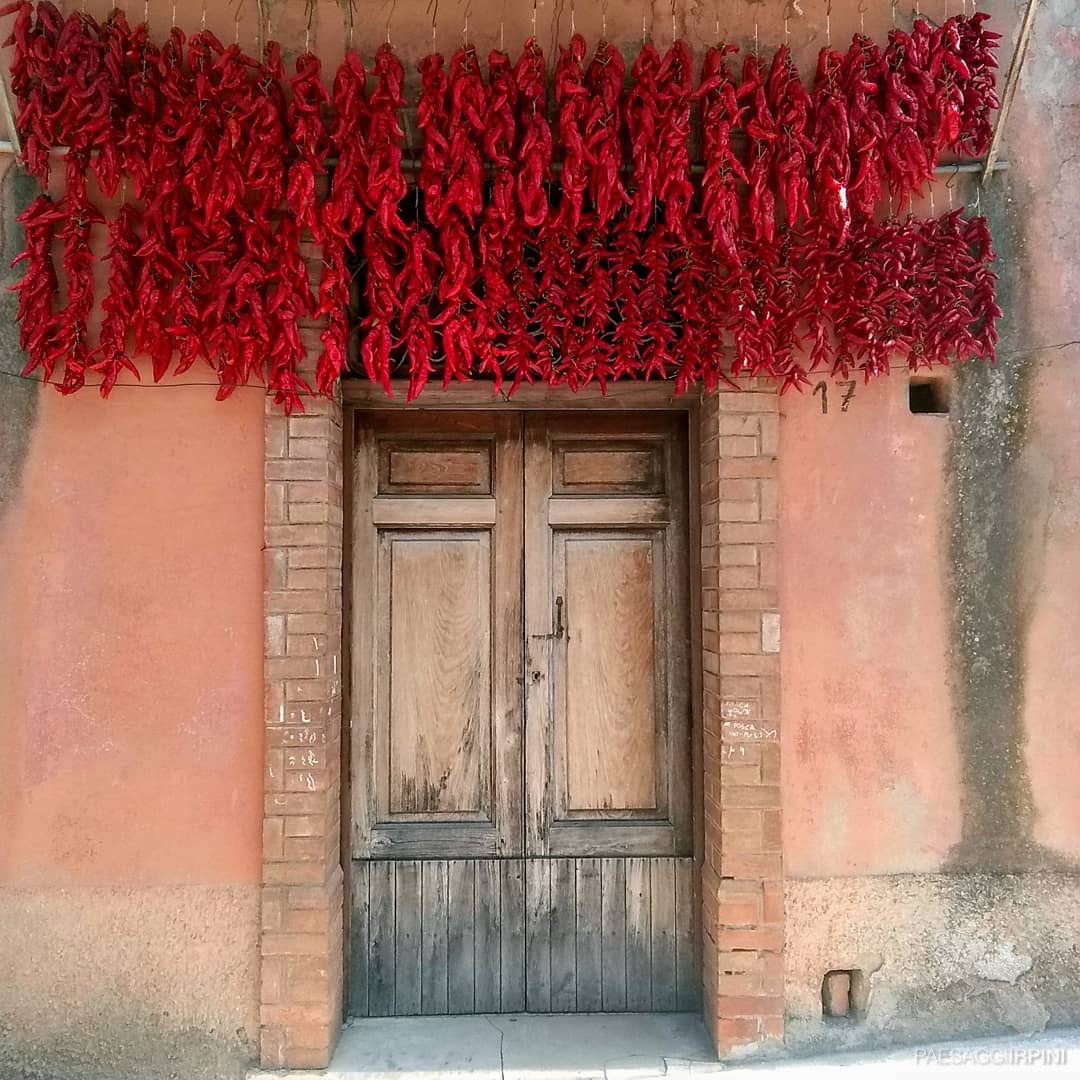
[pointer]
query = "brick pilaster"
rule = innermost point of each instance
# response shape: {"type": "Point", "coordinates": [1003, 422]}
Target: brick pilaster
{"type": "Point", "coordinates": [742, 875]}
{"type": "Point", "coordinates": [301, 941]}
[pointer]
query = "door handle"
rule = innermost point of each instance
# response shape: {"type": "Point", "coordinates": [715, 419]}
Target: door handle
{"type": "Point", "coordinates": [560, 625]}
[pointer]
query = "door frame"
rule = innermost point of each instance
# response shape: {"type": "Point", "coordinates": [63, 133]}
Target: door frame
{"type": "Point", "coordinates": [360, 398]}
{"type": "Point", "coordinates": [733, 452]}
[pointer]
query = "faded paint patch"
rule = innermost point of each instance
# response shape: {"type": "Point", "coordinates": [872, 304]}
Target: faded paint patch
{"type": "Point", "coordinates": [144, 984]}
{"type": "Point", "coordinates": [946, 955]}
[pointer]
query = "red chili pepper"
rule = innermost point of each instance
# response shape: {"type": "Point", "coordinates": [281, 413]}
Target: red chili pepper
{"type": "Point", "coordinates": [120, 303]}
{"type": "Point", "coordinates": [37, 288]}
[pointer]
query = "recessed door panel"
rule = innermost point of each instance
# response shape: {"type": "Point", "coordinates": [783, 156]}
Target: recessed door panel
{"type": "Point", "coordinates": [434, 709]}
{"type": "Point", "coordinates": [610, 705]}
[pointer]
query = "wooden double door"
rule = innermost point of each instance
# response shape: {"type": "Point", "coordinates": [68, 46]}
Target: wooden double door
{"type": "Point", "coordinates": [521, 773]}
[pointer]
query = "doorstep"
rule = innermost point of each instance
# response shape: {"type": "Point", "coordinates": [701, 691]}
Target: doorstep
{"type": "Point", "coordinates": [521, 1046]}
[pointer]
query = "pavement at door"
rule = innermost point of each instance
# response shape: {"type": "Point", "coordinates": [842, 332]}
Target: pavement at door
{"type": "Point", "coordinates": [644, 1047]}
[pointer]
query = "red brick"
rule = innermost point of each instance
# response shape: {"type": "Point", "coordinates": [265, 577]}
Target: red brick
{"type": "Point", "coordinates": [272, 1046]}
{"type": "Point", "coordinates": [749, 1005]}
{"type": "Point", "coordinates": [299, 1057]}
{"type": "Point", "coordinates": [293, 873]}
{"type": "Point", "coordinates": [738, 446]}
{"type": "Point", "coordinates": [308, 944]}
{"type": "Point", "coordinates": [737, 511]}
{"type": "Point", "coordinates": [764, 937]}
{"type": "Point", "coordinates": [768, 867]}
{"type": "Point", "coordinates": [738, 577]}
{"type": "Point", "coordinates": [751, 797]}
{"type": "Point", "coordinates": [734, 468]}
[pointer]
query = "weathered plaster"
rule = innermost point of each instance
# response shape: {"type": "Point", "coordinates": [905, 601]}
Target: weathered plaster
{"type": "Point", "coordinates": [946, 955]}
{"type": "Point", "coordinates": [132, 983]}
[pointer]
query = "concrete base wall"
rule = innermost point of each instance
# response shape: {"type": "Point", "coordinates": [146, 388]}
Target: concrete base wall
{"type": "Point", "coordinates": [132, 983]}
{"type": "Point", "coordinates": [945, 955]}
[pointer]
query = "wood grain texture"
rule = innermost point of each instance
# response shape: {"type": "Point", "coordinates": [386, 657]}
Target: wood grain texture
{"type": "Point", "coordinates": [463, 936]}
{"type": "Point", "coordinates": [608, 468]}
{"type": "Point", "coordinates": [609, 703]}
{"type": "Point", "coordinates": [437, 638]}
{"type": "Point", "coordinates": [434, 466]}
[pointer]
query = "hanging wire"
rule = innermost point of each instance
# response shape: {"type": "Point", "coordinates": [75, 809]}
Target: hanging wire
{"type": "Point", "coordinates": [828, 23]}
{"type": "Point", "coordinates": [433, 10]}
{"type": "Point", "coordinates": [203, 20]}
{"type": "Point", "coordinates": [309, 11]}
{"type": "Point", "coordinates": [348, 15]}
{"type": "Point", "coordinates": [674, 23]}
{"type": "Point", "coordinates": [862, 18]}
{"type": "Point", "coordinates": [949, 185]}
{"type": "Point", "coordinates": [603, 20]}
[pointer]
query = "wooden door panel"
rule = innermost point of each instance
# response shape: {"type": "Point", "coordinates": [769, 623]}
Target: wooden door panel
{"type": "Point", "coordinates": [436, 617]}
{"type": "Point", "coordinates": [550, 935]}
{"type": "Point", "coordinates": [608, 710]}
{"type": "Point", "coordinates": [607, 637]}
{"type": "Point", "coordinates": [435, 710]}
{"type": "Point", "coordinates": [611, 467]}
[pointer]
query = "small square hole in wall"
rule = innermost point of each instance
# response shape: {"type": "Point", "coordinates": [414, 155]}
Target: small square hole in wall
{"type": "Point", "coordinates": [844, 994]}
{"type": "Point", "coordinates": [929, 395]}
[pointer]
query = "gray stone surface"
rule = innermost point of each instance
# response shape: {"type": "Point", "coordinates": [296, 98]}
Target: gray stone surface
{"type": "Point", "coordinates": [639, 1047]}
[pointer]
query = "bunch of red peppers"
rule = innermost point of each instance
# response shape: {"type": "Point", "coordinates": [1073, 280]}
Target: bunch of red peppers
{"type": "Point", "coordinates": [554, 231]}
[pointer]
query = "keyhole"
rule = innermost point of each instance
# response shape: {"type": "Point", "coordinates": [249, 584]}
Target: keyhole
{"type": "Point", "coordinates": [537, 676]}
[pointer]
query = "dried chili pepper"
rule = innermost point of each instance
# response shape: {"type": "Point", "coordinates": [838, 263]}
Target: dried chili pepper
{"type": "Point", "coordinates": [721, 113]}
{"type": "Point", "coordinates": [38, 286]}
{"type": "Point", "coordinates": [120, 302]}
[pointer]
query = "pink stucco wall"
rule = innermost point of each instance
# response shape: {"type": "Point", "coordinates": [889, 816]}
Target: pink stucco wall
{"type": "Point", "coordinates": [869, 765]}
{"type": "Point", "coordinates": [131, 642]}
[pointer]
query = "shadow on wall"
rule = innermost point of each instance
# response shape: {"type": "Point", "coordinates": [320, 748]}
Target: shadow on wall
{"type": "Point", "coordinates": [18, 397]}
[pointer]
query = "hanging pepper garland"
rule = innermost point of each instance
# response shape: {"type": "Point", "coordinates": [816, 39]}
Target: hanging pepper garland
{"type": "Point", "coordinates": [568, 247]}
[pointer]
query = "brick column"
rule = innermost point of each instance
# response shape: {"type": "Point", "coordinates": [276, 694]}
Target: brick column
{"type": "Point", "coordinates": [742, 875]}
{"type": "Point", "coordinates": [301, 943]}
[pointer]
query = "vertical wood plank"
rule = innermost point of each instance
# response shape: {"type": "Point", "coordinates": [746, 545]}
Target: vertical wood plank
{"type": "Point", "coordinates": [460, 961]}
{"type": "Point", "coordinates": [662, 889]}
{"type": "Point", "coordinates": [539, 645]}
{"type": "Point", "coordinates": [538, 935]}
{"type": "Point", "coordinates": [687, 973]}
{"type": "Point", "coordinates": [638, 936]}
{"type": "Point", "coordinates": [381, 952]}
{"type": "Point", "coordinates": [488, 968]}
{"type": "Point", "coordinates": [408, 961]}
{"type": "Point", "coordinates": [563, 935]}
{"type": "Point", "coordinates": [433, 931]}
{"type": "Point", "coordinates": [358, 941]}
{"type": "Point", "coordinates": [512, 935]}
{"type": "Point", "coordinates": [508, 620]}
{"type": "Point", "coordinates": [589, 936]}
{"type": "Point", "coordinates": [613, 933]}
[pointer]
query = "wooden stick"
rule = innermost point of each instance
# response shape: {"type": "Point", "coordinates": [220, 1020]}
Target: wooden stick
{"type": "Point", "coordinates": [1011, 81]}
